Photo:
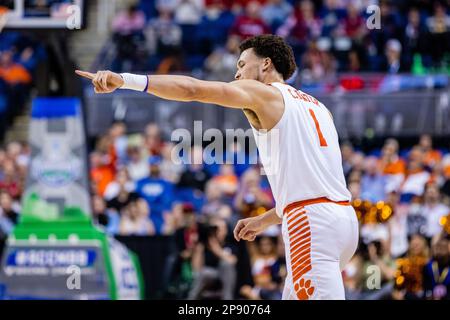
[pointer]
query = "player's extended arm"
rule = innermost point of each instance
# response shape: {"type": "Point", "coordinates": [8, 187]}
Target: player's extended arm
{"type": "Point", "coordinates": [250, 94]}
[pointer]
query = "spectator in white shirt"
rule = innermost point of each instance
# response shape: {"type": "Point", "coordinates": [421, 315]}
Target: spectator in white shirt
{"type": "Point", "coordinates": [433, 210]}
{"type": "Point", "coordinates": [121, 182]}
{"type": "Point", "coordinates": [416, 177]}
{"type": "Point", "coordinates": [137, 163]}
{"type": "Point", "coordinates": [189, 11]}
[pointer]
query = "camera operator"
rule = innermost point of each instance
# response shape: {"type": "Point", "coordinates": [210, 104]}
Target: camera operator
{"type": "Point", "coordinates": [213, 260]}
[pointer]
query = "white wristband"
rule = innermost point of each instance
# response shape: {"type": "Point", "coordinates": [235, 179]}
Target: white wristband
{"type": "Point", "coordinates": [134, 82]}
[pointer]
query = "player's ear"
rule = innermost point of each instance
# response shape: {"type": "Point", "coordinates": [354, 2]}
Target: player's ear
{"type": "Point", "coordinates": [266, 64]}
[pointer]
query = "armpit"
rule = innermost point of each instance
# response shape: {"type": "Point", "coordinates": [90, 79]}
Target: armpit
{"type": "Point", "coordinates": [252, 118]}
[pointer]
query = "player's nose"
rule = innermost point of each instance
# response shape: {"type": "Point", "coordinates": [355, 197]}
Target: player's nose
{"type": "Point", "coordinates": [237, 76]}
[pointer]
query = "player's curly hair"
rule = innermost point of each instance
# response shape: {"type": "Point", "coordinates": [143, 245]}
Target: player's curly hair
{"type": "Point", "coordinates": [275, 48]}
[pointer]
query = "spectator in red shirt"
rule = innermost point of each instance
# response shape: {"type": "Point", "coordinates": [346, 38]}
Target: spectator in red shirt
{"type": "Point", "coordinates": [10, 181]}
{"type": "Point", "coordinates": [354, 22]}
{"type": "Point", "coordinates": [250, 24]}
{"type": "Point", "coordinates": [237, 6]}
{"type": "Point", "coordinates": [213, 3]}
{"type": "Point", "coordinates": [301, 25]}
{"type": "Point", "coordinates": [129, 21]}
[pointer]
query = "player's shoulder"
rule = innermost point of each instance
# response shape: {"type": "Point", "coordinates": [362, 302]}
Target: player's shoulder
{"type": "Point", "coordinates": [259, 90]}
{"type": "Point", "coordinates": [253, 84]}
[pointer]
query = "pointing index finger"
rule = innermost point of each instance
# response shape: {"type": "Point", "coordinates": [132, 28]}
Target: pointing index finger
{"type": "Point", "coordinates": [85, 74]}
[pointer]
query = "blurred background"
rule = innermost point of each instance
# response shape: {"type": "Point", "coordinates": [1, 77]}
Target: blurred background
{"type": "Point", "coordinates": [387, 87]}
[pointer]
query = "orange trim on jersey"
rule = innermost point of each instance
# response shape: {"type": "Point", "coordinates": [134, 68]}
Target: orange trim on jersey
{"type": "Point", "coordinates": [303, 203]}
{"type": "Point", "coordinates": [323, 142]}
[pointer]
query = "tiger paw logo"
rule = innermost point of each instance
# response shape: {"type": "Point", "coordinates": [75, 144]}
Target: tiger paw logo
{"type": "Point", "coordinates": [303, 289]}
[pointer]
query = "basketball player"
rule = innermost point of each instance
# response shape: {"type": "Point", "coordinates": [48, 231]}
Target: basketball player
{"type": "Point", "coordinates": [304, 164]}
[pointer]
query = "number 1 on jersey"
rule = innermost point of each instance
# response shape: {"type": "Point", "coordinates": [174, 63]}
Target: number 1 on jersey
{"type": "Point", "coordinates": [323, 142]}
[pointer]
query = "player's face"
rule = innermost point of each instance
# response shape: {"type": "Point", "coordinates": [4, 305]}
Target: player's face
{"type": "Point", "coordinates": [249, 66]}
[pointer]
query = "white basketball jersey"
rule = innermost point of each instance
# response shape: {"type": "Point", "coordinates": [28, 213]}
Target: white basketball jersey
{"type": "Point", "coordinates": [301, 154]}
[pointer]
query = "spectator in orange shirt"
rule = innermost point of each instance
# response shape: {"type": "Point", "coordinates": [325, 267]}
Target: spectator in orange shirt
{"type": "Point", "coordinates": [14, 81]}
{"type": "Point", "coordinates": [227, 179]}
{"type": "Point", "coordinates": [391, 165]}
{"type": "Point", "coordinates": [416, 176]}
{"type": "Point", "coordinates": [390, 162]}
{"type": "Point", "coordinates": [12, 73]}
{"type": "Point", "coordinates": [105, 146]}
{"type": "Point", "coordinates": [431, 156]}
{"type": "Point", "coordinates": [101, 173]}
{"type": "Point", "coordinates": [446, 166]}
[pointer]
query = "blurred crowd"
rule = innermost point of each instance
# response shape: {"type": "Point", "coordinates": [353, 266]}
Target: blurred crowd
{"type": "Point", "coordinates": [402, 201]}
{"type": "Point", "coordinates": [142, 186]}
{"type": "Point", "coordinates": [401, 197]}
{"type": "Point", "coordinates": [327, 36]}
{"type": "Point", "coordinates": [19, 57]}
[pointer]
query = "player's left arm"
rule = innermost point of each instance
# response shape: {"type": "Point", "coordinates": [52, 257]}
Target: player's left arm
{"type": "Point", "coordinates": [249, 94]}
{"type": "Point", "coordinates": [248, 229]}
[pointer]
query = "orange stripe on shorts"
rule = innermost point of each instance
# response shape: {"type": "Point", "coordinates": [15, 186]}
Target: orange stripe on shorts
{"type": "Point", "coordinates": [298, 241]}
{"type": "Point", "coordinates": [299, 246]}
{"type": "Point", "coordinates": [299, 233]}
{"type": "Point", "coordinates": [298, 227]}
{"type": "Point", "coordinates": [291, 217]}
{"type": "Point", "coordinates": [302, 272]}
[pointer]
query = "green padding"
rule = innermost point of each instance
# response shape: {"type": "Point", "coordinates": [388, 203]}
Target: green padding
{"type": "Point", "coordinates": [36, 210]}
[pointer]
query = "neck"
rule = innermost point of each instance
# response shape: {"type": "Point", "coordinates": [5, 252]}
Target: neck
{"type": "Point", "coordinates": [272, 77]}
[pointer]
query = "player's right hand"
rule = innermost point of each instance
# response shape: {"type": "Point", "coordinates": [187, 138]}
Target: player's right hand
{"type": "Point", "coordinates": [248, 229]}
{"type": "Point", "coordinates": [103, 81]}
